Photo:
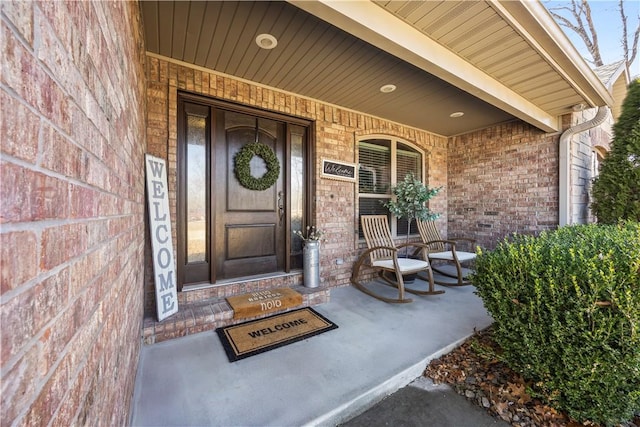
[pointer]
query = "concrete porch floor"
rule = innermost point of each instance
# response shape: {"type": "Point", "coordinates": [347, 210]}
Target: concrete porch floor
{"type": "Point", "coordinates": [324, 380]}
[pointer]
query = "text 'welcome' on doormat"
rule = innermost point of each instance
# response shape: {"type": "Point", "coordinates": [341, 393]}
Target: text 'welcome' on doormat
{"type": "Point", "coordinates": [257, 336]}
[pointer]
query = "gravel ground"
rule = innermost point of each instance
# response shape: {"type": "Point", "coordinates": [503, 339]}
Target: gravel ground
{"type": "Point", "coordinates": [474, 371]}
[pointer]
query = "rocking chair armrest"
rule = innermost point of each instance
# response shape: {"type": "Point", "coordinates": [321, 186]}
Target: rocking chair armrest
{"type": "Point", "coordinates": [448, 242]}
{"type": "Point", "coordinates": [414, 244]}
{"type": "Point", "coordinates": [464, 239]}
{"type": "Point", "coordinates": [364, 255]}
{"type": "Point", "coordinates": [377, 248]}
{"type": "Point", "coordinates": [466, 244]}
{"type": "Point", "coordinates": [452, 246]}
{"type": "Point", "coordinates": [419, 248]}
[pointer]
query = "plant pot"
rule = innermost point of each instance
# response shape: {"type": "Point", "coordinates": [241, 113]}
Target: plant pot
{"type": "Point", "coordinates": [409, 278]}
{"type": "Point", "coordinates": [406, 278]}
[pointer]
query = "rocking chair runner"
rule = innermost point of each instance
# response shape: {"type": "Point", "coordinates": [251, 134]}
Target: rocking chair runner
{"type": "Point", "coordinates": [382, 255]}
{"type": "Point", "coordinates": [448, 263]}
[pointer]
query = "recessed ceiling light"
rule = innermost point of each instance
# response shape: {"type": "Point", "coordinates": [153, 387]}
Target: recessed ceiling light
{"type": "Point", "coordinates": [456, 114]}
{"type": "Point", "coordinates": [387, 88]}
{"type": "Point", "coordinates": [266, 41]}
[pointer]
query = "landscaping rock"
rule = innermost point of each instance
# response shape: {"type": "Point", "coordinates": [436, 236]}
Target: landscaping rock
{"type": "Point", "coordinates": [475, 371]}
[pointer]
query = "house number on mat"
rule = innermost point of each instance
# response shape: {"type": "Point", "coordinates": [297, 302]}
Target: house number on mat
{"type": "Point", "coordinates": [270, 305]}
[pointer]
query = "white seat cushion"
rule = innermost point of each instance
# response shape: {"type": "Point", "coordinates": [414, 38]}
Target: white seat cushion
{"type": "Point", "coordinates": [405, 264]}
{"type": "Point", "coordinates": [462, 256]}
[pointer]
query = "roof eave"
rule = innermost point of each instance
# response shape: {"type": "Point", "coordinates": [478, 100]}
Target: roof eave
{"type": "Point", "coordinates": [371, 23]}
{"type": "Point", "coordinates": [374, 25]}
{"type": "Point", "coordinates": [545, 35]}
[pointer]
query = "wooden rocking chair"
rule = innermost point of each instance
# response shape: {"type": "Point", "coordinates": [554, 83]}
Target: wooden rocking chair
{"type": "Point", "coordinates": [382, 255]}
{"type": "Point", "coordinates": [447, 262]}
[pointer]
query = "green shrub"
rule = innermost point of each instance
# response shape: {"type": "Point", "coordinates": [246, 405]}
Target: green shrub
{"type": "Point", "coordinates": [616, 190]}
{"type": "Point", "coordinates": [566, 307]}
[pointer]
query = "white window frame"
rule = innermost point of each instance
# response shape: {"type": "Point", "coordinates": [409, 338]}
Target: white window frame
{"type": "Point", "coordinates": [394, 169]}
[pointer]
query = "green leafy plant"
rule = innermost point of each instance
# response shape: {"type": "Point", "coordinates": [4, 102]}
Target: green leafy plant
{"type": "Point", "coordinates": [411, 197]}
{"type": "Point", "coordinates": [242, 166]}
{"type": "Point", "coordinates": [566, 306]}
{"type": "Point", "coordinates": [616, 190]}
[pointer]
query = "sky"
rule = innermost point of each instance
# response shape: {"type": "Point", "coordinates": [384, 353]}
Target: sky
{"type": "Point", "coordinates": [608, 25]}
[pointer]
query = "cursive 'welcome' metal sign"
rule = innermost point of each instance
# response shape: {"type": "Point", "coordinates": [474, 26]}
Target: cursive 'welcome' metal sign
{"type": "Point", "coordinates": [334, 169]}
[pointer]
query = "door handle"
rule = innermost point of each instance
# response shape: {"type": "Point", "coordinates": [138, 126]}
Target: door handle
{"type": "Point", "coordinates": [280, 206]}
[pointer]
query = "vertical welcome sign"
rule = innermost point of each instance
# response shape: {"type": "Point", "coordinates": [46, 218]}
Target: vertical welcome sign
{"type": "Point", "coordinates": [161, 243]}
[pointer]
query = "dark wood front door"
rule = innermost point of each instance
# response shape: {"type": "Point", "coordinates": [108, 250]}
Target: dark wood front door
{"type": "Point", "coordinates": [225, 230]}
{"type": "Point", "coordinates": [249, 234]}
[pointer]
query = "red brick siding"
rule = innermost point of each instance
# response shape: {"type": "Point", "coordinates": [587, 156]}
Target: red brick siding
{"type": "Point", "coordinates": [336, 131]}
{"type": "Point", "coordinates": [502, 180]}
{"type": "Point", "coordinates": [73, 139]}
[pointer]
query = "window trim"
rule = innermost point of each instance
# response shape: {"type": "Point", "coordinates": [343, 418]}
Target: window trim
{"type": "Point", "coordinates": [393, 172]}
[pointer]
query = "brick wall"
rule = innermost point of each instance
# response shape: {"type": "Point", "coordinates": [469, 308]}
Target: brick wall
{"type": "Point", "coordinates": [73, 138]}
{"type": "Point", "coordinates": [503, 179]}
{"type": "Point", "coordinates": [336, 132]}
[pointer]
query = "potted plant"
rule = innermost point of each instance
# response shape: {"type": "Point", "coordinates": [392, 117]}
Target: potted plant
{"type": "Point", "coordinates": [411, 196]}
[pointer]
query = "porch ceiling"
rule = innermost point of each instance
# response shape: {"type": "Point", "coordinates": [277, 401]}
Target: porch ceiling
{"type": "Point", "coordinates": [491, 60]}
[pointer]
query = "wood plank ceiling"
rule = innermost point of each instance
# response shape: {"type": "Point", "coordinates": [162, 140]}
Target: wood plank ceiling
{"type": "Point", "coordinates": [318, 60]}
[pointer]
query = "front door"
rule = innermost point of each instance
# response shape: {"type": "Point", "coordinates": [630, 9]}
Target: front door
{"type": "Point", "coordinates": [236, 218]}
{"type": "Point", "coordinates": [250, 222]}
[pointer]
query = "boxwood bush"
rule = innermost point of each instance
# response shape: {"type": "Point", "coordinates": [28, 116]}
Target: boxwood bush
{"type": "Point", "coordinates": [566, 310]}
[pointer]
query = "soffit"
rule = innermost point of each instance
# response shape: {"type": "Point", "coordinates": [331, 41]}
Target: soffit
{"type": "Point", "coordinates": [510, 42]}
{"type": "Point", "coordinates": [325, 55]}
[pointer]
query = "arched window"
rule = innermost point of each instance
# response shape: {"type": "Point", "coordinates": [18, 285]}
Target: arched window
{"type": "Point", "coordinates": [597, 155]}
{"type": "Point", "coordinates": [382, 162]}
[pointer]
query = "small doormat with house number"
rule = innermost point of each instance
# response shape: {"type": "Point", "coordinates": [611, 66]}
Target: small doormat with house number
{"type": "Point", "coordinates": [263, 302]}
{"type": "Point", "coordinates": [257, 336]}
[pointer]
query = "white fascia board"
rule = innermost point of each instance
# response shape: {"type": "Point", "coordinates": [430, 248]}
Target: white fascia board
{"type": "Point", "coordinates": [374, 25]}
{"type": "Point", "coordinates": [552, 43]}
{"type": "Point", "coordinates": [621, 74]}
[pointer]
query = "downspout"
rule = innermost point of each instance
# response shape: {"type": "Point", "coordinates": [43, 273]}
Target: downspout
{"type": "Point", "coordinates": [565, 162]}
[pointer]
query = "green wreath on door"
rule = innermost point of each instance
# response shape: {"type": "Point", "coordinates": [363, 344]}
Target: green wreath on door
{"type": "Point", "coordinates": [242, 166]}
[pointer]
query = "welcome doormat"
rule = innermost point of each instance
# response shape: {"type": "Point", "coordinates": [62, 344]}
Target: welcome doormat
{"type": "Point", "coordinates": [257, 336]}
{"type": "Point", "coordinates": [263, 302]}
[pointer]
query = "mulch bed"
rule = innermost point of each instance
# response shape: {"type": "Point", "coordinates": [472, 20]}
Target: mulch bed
{"type": "Point", "coordinates": [474, 371]}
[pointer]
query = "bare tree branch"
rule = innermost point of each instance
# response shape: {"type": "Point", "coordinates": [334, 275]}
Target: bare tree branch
{"type": "Point", "coordinates": [624, 40]}
{"type": "Point", "coordinates": [629, 57]}
{"type": "Point", "coordinates": [581, 23]}
{"type": "Point", "coordinates": [594, 48]}
{"type": "Point", "coordinates": [634, 50]}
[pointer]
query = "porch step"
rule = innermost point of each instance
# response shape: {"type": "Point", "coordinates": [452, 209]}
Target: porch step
{"type": "Point", "coordinates": [210, 314]}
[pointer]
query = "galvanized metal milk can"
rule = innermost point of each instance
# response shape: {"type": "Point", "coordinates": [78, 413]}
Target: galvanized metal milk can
{"type": "Point", "coordinates": [311, 263]}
